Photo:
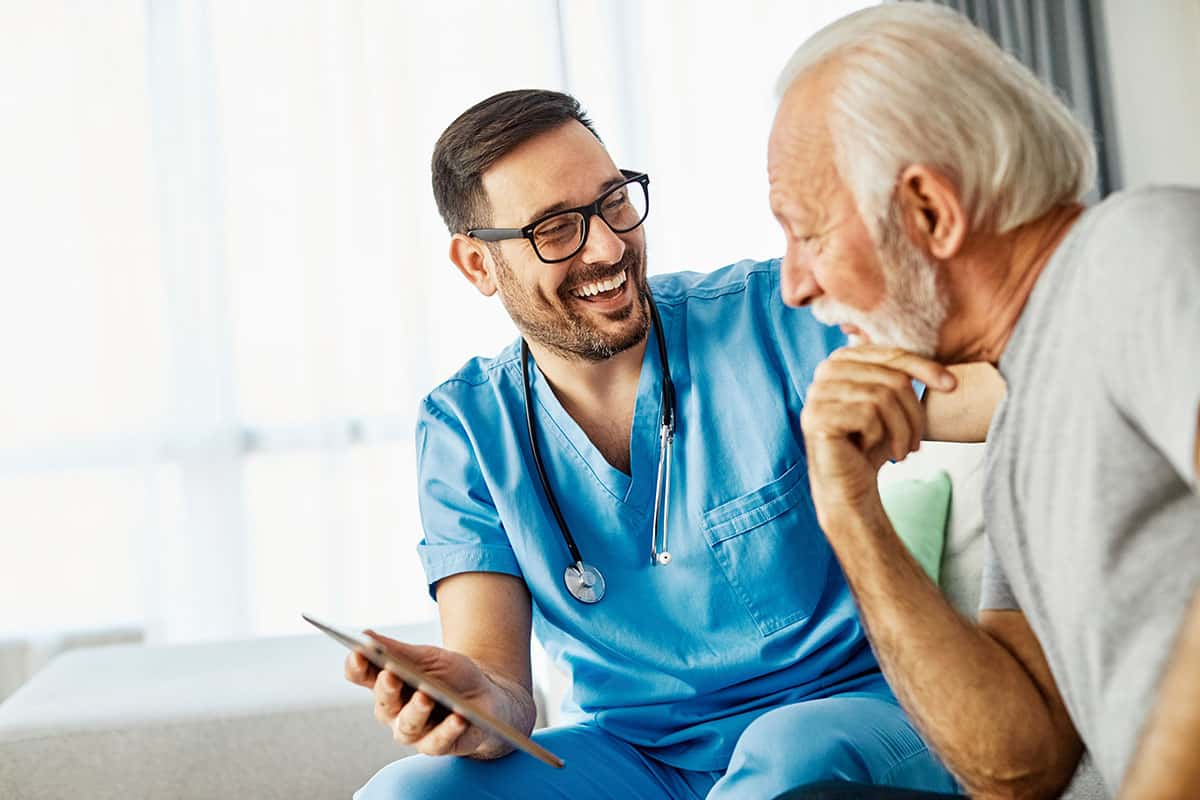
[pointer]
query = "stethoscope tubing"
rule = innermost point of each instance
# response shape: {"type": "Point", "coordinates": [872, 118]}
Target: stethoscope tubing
{"type": "Point", "coordinates": [666, 440]}
{"type": "Point", "coordinates": [537, 460]}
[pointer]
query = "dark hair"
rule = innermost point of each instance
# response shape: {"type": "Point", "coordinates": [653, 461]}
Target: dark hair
{"type": "Point", "coordinates": [480, 137]}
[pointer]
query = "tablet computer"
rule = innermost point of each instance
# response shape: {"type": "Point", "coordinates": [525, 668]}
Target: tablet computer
{"type": "Point", "coordinates": [443, 695]}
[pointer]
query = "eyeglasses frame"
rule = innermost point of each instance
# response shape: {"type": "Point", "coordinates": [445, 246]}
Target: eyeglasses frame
{"type": "Point", "coordinates": [586, 211]}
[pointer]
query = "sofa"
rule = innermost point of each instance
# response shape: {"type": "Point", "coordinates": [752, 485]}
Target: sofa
{"type": "Point", "coordinates": [273, 718]}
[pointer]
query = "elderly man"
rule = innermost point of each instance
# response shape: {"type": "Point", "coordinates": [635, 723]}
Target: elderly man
{"type": "Point", "coordinates": [929, 188]}
{"type": "Point", "coordinates": [626, 480]}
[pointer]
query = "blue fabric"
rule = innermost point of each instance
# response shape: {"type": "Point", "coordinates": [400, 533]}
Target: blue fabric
{"type": "Point", "coordinates": [752, 614]}
{"type": "Point", "coordinates": [856, 736]}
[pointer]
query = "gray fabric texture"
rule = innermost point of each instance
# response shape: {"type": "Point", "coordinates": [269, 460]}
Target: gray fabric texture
{"type": "Point", "coordinates": [1090, 493]}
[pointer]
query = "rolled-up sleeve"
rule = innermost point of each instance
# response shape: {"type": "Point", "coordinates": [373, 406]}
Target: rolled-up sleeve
{"type": "Point", "coordinates": [462, 530]}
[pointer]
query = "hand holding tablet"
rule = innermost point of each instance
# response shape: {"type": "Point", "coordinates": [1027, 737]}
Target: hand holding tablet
{"type": "Point", "coordinates": [410, 678]}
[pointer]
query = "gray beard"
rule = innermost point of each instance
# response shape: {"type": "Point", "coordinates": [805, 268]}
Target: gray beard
{"type": "Point", "coordinates": [913, 309]}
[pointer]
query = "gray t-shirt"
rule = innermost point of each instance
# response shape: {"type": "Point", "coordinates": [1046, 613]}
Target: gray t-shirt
{"type": "Point", "coordinates": [1090, 493]}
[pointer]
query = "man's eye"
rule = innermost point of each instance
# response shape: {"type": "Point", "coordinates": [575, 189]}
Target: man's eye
{"type": "Point", "coordinates": [615, 201]}
{"type": "Point", "coordinates": [556, 231]}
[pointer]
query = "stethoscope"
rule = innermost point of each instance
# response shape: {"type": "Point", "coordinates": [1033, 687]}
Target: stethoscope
{"type": "Point", "coordinates": [584, 581]}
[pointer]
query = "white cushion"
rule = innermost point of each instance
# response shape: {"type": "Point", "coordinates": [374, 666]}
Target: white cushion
{"type": "Point", "coordinates": [962, 556]}
{"type": "Point", "coordinates": [263, 718]}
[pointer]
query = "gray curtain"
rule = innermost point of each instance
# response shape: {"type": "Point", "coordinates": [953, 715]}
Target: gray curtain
{"type": "Point", "coordinates": [1063, 42]}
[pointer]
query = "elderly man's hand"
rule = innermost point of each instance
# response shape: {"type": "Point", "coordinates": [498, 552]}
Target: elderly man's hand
{"type": "Point", "coordinates": [860, 411]}
{"type": "Point", "coordinates": [413, 717]}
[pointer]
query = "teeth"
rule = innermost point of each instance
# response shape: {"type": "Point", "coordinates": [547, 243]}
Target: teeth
{"type": "Point", "coordinates": [590, 289]}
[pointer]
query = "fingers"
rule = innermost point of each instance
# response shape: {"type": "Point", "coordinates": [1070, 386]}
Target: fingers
{"type": "Point", "coordinates": [422, 655]}
{"type": "Point", "coordinates": [389, 697]}
{"type": "Point", "coordinates": [360, 671]}
{"type": "Point", "coordinates": [416, 724]}
{"type": "Point", "coordinates": [889, 391]}
{"type": "Point", "coordinates": [407, 716]}
{"type": "Point", "coordinates": [447, 738]}
{"type": "Point", "coordinates": [384, 640]}
{"type": "Point", "coordinates": [858, 422]}
{"type": "Point", "coordinates": [929, 372]}
{"type": "Point", "coordinates": [413, 717]}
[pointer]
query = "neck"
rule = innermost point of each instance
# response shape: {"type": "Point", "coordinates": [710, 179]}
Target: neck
{"type": "Point", "coordinates": [589, 387]}
{"type": "Point", "coordinates": [992, 281]}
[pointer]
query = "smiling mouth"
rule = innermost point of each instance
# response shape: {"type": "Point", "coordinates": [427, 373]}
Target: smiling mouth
{"type": "Point", "coordinates": [603, 289]}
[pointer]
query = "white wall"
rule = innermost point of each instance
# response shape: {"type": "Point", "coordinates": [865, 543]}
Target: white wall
{"type": "Point", "coordinates": [1154, 49]}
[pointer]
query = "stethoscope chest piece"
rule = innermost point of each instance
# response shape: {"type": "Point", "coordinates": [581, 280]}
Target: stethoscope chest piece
{"type": "Point", "coordinates": [584, 582]}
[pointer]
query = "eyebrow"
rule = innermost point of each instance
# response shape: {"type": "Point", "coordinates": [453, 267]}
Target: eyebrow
{"type": "Point", "coordinates": [800, 210]}
{"type": "Point", "coordinates": [561, 205]}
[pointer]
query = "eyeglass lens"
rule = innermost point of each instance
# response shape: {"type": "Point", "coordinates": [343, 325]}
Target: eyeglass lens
{"type": "Point", "coordinates": [561, 236]}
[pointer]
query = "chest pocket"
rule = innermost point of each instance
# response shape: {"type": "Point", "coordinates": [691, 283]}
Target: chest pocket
{"type": "Point", "coordinates": [768, 544]}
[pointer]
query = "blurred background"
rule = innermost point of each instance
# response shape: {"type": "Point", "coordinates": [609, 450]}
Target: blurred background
{"type": "Point", "coordinates": [225, 284]}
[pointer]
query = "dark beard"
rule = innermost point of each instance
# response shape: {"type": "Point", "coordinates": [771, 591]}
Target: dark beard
{"type": "Point", "coordinates": [569, 334]}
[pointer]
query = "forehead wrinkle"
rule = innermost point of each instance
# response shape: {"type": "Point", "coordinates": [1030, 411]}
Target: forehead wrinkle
{"type": "Point", "coordinates": [802, 182]}
{"type": "Point", "coordinates": [801, 164]}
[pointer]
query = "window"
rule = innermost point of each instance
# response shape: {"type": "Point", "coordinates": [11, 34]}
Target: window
{"type": "Point", "coordinates": [227, 288]}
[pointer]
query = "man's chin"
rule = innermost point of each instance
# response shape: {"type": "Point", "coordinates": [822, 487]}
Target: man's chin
{"type": "Point", "coordinates": [617, 331]}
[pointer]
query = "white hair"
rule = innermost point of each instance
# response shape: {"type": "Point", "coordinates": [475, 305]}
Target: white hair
{"type": "Point", "coordinates": [917, 83]}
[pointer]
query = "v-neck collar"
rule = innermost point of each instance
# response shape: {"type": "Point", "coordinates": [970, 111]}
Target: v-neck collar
{"type": "Point", "coordinates": [635, 490]}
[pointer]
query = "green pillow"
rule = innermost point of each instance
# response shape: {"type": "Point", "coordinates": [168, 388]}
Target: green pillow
{"type": "Point", "coordinates": [918, 510]}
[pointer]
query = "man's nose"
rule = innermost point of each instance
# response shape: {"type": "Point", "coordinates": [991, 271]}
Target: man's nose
{"type": "Point", "coordinates": [796, 281]}
{"type": "Point", "coordinates": [602, 245]}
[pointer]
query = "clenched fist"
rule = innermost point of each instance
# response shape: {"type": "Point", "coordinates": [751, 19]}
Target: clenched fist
{"type": "Point", "coordinates": [860, 411]}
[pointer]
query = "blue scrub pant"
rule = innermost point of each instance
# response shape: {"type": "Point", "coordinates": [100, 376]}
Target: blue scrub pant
{"type": "Point", "coordinates": [852, 737]}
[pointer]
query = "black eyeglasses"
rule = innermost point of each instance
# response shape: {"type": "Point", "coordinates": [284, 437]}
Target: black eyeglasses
{"type": "Point", "coordinates": [559, 236]}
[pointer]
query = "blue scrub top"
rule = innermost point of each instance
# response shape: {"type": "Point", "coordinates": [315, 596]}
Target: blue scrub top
{"type": "Point", "coordinates": [753, 611]}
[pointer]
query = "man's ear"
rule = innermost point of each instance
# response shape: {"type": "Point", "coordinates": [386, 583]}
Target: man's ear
{"type": "Point", "coordinates": [932, 211]}
{"type": "Point", "coordinates": [473, 261]}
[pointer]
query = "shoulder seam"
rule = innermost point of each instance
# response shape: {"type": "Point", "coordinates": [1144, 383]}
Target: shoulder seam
{"type": "Point", "coordinates": [482, 378]}
{"type": "Point", "coordinates": [717, 292]}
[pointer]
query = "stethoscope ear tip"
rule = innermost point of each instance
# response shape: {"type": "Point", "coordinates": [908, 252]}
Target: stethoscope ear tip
{"type": "Point", "coordinates": [662, 559]}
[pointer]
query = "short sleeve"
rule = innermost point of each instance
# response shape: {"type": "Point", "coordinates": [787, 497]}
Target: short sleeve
{"type": "Point", "coordinates": [462, 528]}
{"type": "Point", "coordinates": [1154, 373]}
{"type": "Point", "coordinates": [996, 594]}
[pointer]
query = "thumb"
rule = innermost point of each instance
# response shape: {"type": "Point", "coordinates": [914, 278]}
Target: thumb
{"type": "Point", "coordinates": [419, 653]}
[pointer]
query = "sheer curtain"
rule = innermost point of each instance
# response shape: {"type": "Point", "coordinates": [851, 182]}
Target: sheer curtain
{"type": "Point", "coordinates": [228, 286]}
